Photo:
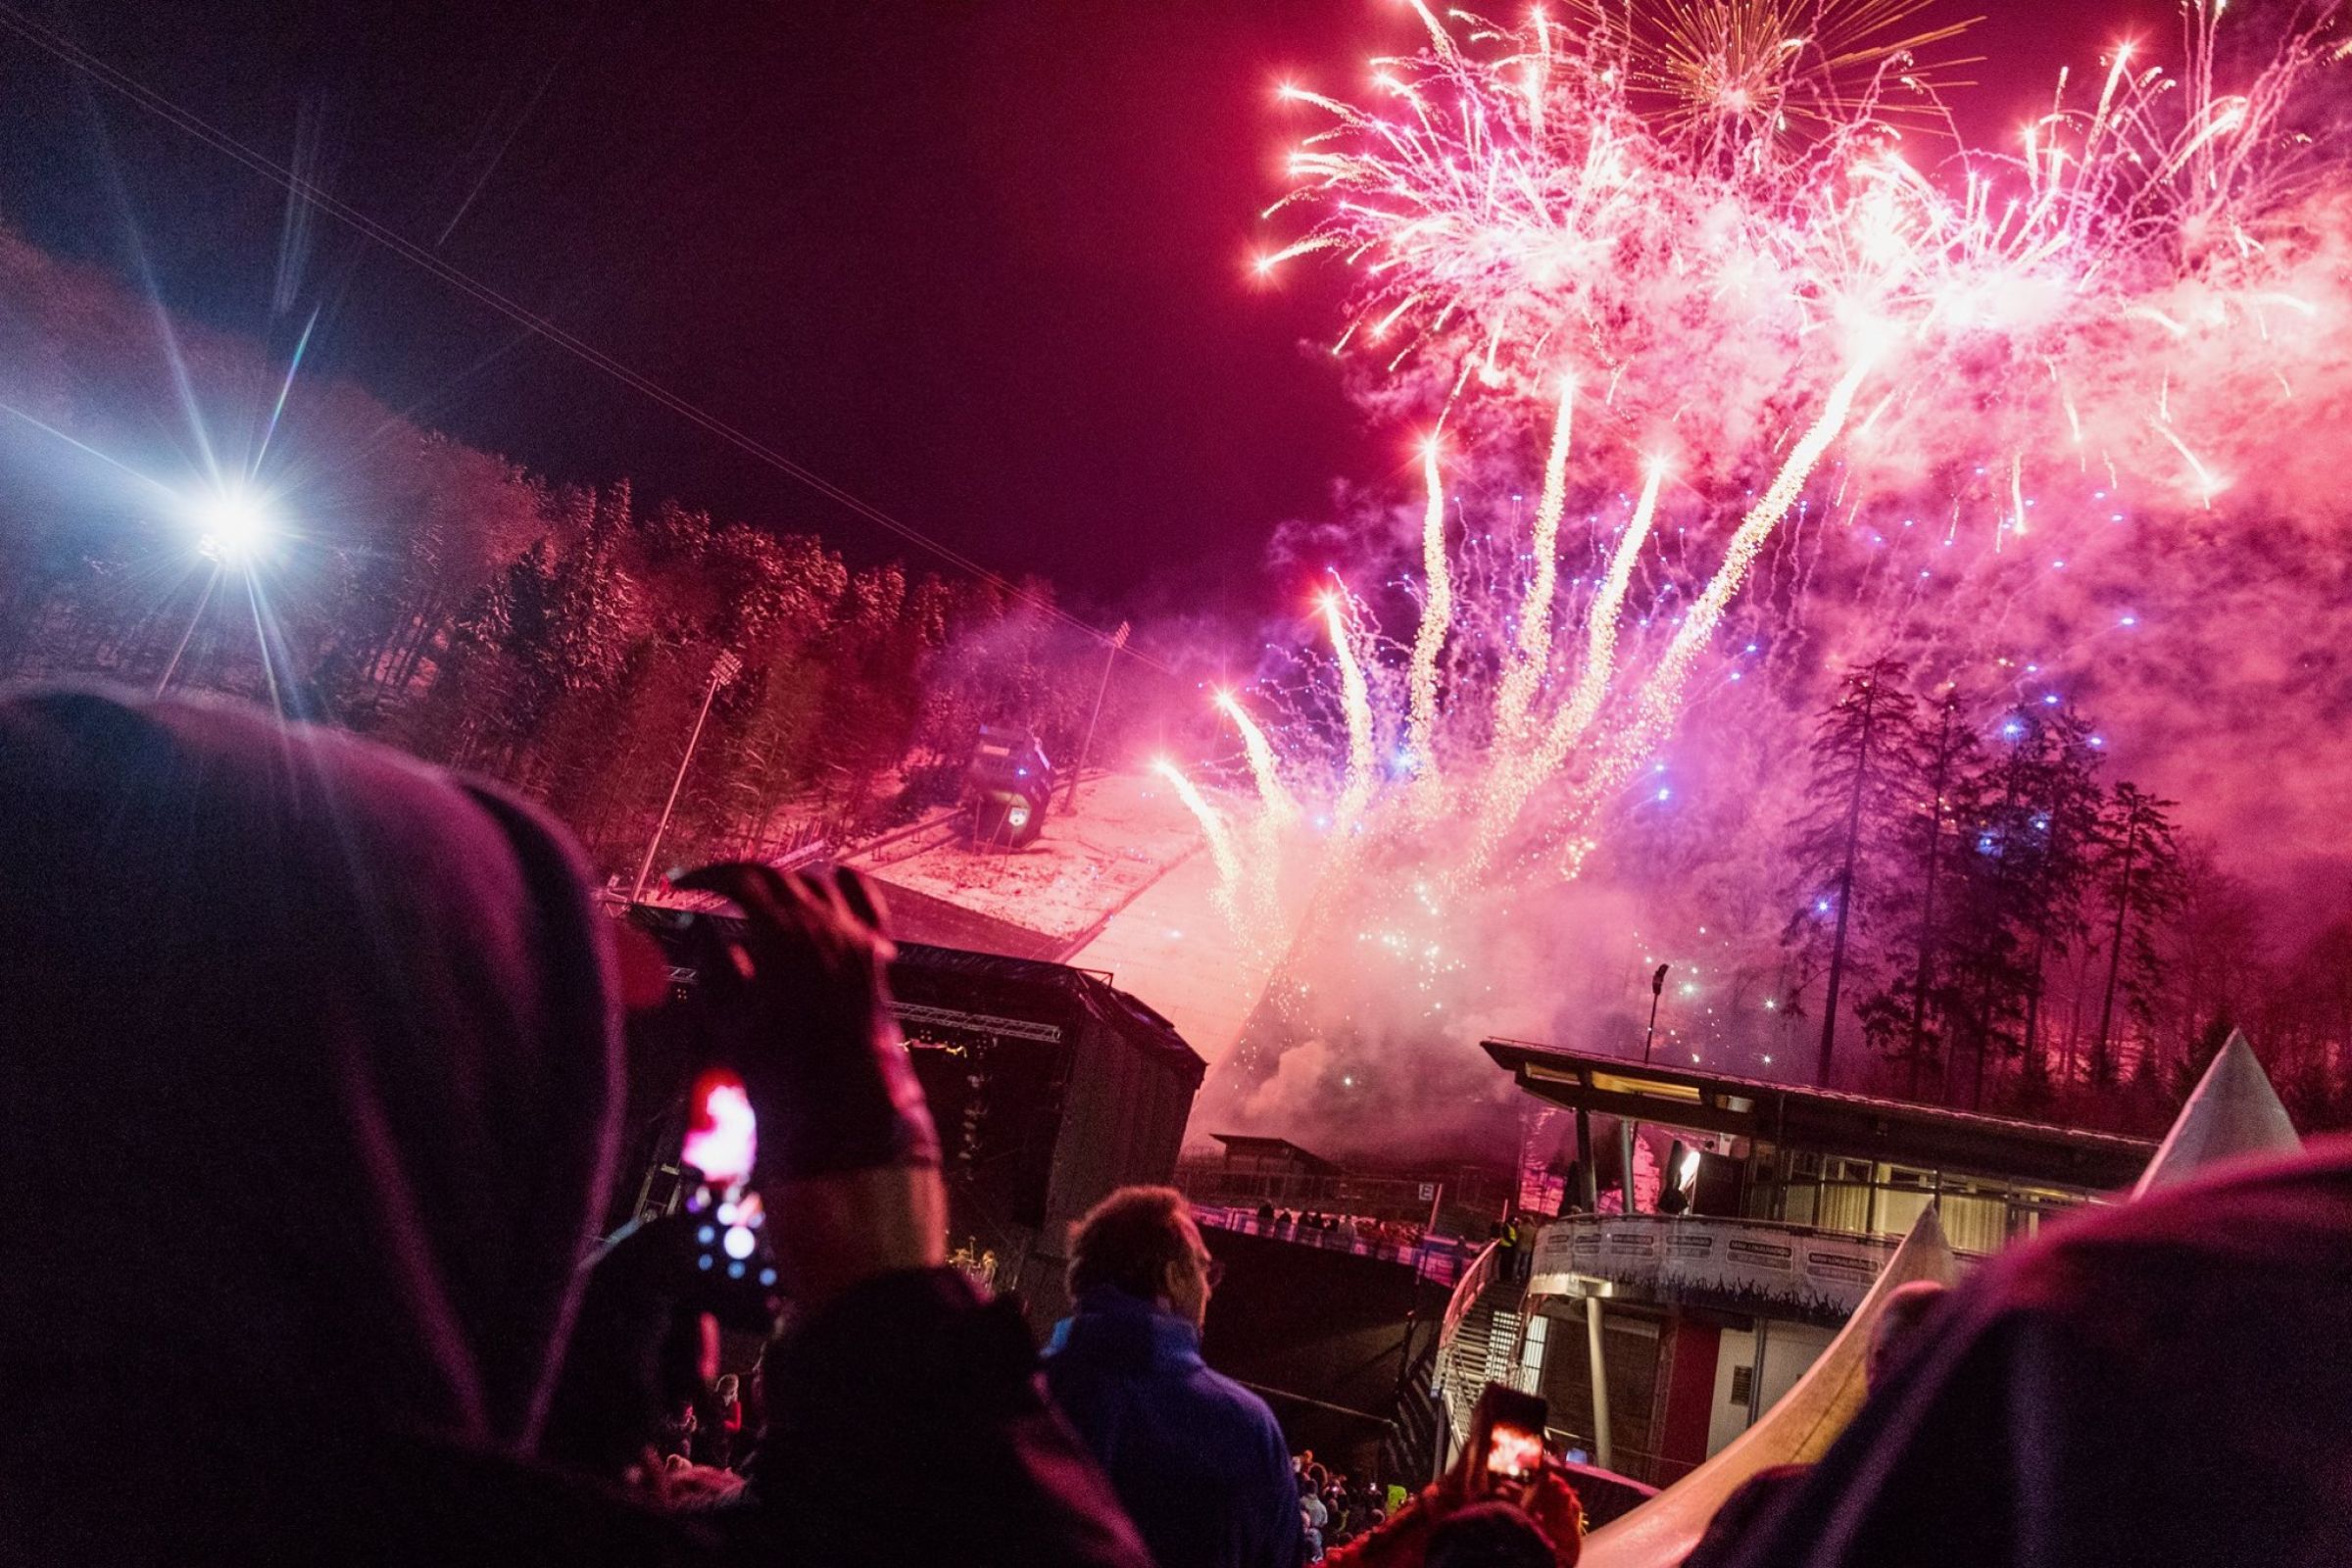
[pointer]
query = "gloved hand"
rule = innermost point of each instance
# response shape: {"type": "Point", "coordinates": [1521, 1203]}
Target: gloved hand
{"type": "Point", "coordinates": [804, 1004]}
{"type": "Point", "coordinates": [800, 1007]}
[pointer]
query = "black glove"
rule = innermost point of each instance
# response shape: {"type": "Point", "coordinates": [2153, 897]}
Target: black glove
{"type": "Point", "coordinates": [798, 1004]}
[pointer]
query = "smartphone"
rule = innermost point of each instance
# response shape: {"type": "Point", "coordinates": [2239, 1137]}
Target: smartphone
{"type": "Point", "coordinates": [734, 1267]}
{"type": "Point", "coordinates": [1514, 1433]}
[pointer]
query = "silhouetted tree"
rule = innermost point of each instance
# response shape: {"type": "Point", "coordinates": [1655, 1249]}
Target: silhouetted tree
{"type": "Point", "coordinates": [2139, 877]}
{"type": "Point", "coordinates": [1842, 842]}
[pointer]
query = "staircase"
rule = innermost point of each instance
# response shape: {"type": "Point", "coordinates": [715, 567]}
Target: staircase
{"type": "Point", "coordinates": [1481, 1347]}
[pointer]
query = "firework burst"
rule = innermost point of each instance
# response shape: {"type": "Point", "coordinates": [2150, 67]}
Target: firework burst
{"type": "Point", "coordinates": [1701, 227]}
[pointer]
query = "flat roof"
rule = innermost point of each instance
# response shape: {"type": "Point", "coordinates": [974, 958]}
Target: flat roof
{"type": "Point", "coordinates": [1827, 1121]}
{"type": "Point", "coordinates": [1278, 1147]}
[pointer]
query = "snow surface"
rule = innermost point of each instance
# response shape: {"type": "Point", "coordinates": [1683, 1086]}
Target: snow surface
{"type": "Point", "coordinates": [1124, 885]}
{"type": "Point", "coordinates": [1128, 830]}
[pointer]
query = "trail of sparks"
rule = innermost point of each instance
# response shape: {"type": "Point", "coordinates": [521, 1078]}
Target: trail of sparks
{"type": "Point", "coordinates": [1519, 683]}
{"type": "Point", "coordinates": [1514, 784]}
{"type": "Point", "coordinates": [1277, 810]}
{"type": "Point", "coordinates": [1437, 619]}
{"type": "Point", "coordinates": [1660, 699]}
{"type": "Point", "coordinates": [1263, 767]}
{"type": "Point", "coordinates": [1356, 701]}
{"type": "Point", "coordinates": [1220, 838]}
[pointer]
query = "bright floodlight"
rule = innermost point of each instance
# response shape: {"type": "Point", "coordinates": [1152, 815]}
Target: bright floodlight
{"type": "Point", "coordinates": [236, 523]}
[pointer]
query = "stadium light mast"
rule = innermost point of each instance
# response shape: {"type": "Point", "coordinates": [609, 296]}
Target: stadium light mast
{"type": "Point", "coordinates": [233, 525]}
{"type": "Point", "coordinates": [722, 670]}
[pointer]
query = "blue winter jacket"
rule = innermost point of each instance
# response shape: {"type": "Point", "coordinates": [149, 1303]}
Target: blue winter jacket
{"type": "Point", "coordinates": [1197, 1459]}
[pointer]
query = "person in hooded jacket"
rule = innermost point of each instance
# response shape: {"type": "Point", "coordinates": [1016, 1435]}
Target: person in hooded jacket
{"type": "Point", "coordinates": [310, 1071]}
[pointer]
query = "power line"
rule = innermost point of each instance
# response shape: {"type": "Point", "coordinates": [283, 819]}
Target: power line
{"type": "Point", "coordinates": [304, 190]}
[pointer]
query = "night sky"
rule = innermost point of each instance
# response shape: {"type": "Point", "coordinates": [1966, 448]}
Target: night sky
{"type": "Point", "coordinates": [983, 264]}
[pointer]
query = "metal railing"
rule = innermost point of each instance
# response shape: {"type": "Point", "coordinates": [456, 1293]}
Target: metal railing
{"type": "Point", "coordinates": [1438, 1259]}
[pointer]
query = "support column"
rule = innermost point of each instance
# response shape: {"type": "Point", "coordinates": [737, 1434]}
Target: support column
{"type": "Point", "coordinates": [1625, 1161]}
{"type": "Point", "coordinates": [1587, 1161]}
{"type": "Point", "coordinates": [1755, 1376]}
{"type": "Point", "coordinates": [1600, 1383]}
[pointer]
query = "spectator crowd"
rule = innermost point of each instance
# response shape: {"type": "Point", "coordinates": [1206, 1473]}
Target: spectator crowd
{"type": "Point", "coordinates": [313, 1061]}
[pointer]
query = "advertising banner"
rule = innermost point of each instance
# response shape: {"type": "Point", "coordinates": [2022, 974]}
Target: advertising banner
{"type": "Point", "coordinates": [1740, 1265]}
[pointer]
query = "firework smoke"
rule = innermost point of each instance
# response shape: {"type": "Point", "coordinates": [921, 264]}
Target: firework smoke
{"type": "Point", "coordinates": [1698, 229]}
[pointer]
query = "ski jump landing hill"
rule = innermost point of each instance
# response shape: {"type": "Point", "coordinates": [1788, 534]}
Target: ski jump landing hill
{"type": "Point", "coordinates": [1118, 886]}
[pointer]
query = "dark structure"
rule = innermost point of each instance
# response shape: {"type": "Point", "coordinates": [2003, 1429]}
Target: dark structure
{"type": "Point", "coordinates": [1051, 1087]}
{"type": "Point", "coordinates": [1254, 1169]}
{"type": "Point", "coordinates": [1777, 1120]}
{"type": "Point", "coordinates": [1332, 1340]}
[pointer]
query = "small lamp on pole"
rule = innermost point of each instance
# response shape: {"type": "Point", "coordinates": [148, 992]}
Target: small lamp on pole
{"type": "Point", "coordinates": [1657, 989]}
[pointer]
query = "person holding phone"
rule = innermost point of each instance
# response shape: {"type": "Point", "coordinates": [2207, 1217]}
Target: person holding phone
{"type": "Point", "coordinates": [311, 1078]}
{"type": "Point", "coordinates": [1504, 1462]}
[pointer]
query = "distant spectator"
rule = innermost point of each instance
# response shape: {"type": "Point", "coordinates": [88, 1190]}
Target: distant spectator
{"type": "Point", "coordinates": [1313, 1515]}
{"type": "Point", "coordinates": [1265, 1216]}
{"type": "Point", "coordinates": [1197, 1460]}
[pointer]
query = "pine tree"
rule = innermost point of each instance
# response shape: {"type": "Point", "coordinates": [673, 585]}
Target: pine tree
{"type": "Point", "coordinates": [2140, 878]}
{"type": "Point", "coordinates": [2067, 825]}
{"type": "Point", "coordinates": [1841, 849]}
{"type": "Point", "coordinates": [1908, 1019]}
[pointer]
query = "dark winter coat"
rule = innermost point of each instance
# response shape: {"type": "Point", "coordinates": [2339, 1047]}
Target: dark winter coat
{"type": "Point", "coordinates": [1197, 1460]}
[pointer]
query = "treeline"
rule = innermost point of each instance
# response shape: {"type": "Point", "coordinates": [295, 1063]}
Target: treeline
{"type": "Point", "coordinates": [2005, 929]}
{"type": "Point", "coordinates": [559, 637]}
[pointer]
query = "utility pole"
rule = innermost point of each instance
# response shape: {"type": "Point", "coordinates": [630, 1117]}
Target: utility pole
{"type": "Point", "coordinates": [1846, 882]}
{"type": "Point", "coordinates": [722, 670]}
{"type": "Point", "coordinates": [1629, 1129]}
{"type": "Point", "coordinates": [1118, 639]}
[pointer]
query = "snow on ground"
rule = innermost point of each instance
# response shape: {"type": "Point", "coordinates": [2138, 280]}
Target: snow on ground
{"type": "Point", "coordinates": [1127, 831]}
{"type": "Point", "coordinates": [1124, 885]}
{"type": "Point", "coordinates": [1174, 950]}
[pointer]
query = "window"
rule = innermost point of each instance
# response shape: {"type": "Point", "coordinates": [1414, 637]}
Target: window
{"type": "Point", "coordinates": [1743, 1385]}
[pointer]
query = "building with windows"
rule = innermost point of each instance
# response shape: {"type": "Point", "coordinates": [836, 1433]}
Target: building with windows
{"type": "Point", "coordinates": [1658, 1338]}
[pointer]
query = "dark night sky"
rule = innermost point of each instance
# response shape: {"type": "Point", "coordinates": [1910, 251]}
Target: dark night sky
{"type": "Point", "coordinates": [981, 264]}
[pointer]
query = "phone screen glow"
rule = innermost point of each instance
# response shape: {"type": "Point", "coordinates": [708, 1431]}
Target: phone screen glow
{"type": "Point", "coordinates": [723, 1137]}
{"type": "Point", "coordinates": [1514, 1452]}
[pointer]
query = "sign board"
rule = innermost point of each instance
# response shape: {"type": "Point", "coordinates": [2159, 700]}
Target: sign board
{"type": "Point", "coordinates": [1742, 1265]}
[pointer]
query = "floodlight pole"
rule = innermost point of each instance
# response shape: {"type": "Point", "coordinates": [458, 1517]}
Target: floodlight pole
{"type": "Point", "coordinates": [171, 666]}
{"type": "Point", "coordinates": [725, 670]}
{"type": "Point", "coordinates": [1118, 639]}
